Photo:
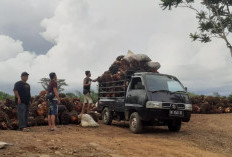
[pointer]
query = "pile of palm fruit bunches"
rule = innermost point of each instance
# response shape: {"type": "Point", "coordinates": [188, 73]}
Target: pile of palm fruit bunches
{"type": "Point", "coordinates": [68, 112]}
{"type": "Point", "coordinates": [210, 105]}
{"type": "Point", "coordinates": [70, 108]}
{"type": "Point", "coordinates": [119, 71]}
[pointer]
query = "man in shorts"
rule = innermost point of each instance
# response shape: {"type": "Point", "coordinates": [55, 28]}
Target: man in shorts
{"type": "Point", "coordinates": [53, 102]}
{"type": "Point", "coordinates": [86, 91]}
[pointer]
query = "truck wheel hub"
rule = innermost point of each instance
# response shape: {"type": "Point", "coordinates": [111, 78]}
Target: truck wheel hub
{"type": "Point", "coordinates": [105, 116]}
{"type": "Point", "coordinates": [134, 122]}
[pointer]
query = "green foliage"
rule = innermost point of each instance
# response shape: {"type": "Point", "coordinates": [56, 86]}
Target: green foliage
{"type": "Point", "coordinates": [230, 96]}
{"type": "Point", "coordinates": [169, 3]}
{"type": "Point", "coordinates": [94, 96]}
{"type": "Point", "coordinates": [5, 96]}
{"type": "Point", "coordinates": [192, 94]}
{"type": "Point", "coordinates": [70, 95]}
{"type": "Point", "coordinates": [216, 94]}
{"type": "Point", "coordinates": [60, 83]}
{"type": "Point", "coordinates": [80, 95]}
{"type": "Point", "coordinates": [214, 18]}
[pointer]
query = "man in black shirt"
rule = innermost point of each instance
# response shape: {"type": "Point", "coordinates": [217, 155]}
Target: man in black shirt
{"type": "Point", "coordinates": [86, 91]}
{"type": "Point", "coordinates": [22, 99]}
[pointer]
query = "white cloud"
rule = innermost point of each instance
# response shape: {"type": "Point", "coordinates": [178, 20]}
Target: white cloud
{"type": "Point", "coordinates": [91, 34]}
{"type": "Point", "coordinates": [9, 48]}
{"type": "Point", "coordinates": [21, 21]}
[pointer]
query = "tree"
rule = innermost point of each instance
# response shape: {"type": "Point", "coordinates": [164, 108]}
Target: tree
{"type": "Point", "coordinates": [60, 83]}
{"type": "Point", "coordinates": [214, 18]}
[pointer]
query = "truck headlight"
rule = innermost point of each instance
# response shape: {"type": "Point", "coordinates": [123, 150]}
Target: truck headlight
{"type": "Point", "coordinates": [188, 107]}
{"type": "Point", "coordinates": [154, 104]}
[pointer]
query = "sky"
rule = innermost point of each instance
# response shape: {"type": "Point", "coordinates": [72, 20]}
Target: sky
{"type": "Point", "coordinates": [71, 36]}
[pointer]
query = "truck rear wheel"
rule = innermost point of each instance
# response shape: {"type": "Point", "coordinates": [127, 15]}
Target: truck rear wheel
{"type": "Point", "coordinates": [174, 126]}
{"type": "Point", "coordinates": [136, 125]}
{"type": "Point", "coordinates": [107, 116]}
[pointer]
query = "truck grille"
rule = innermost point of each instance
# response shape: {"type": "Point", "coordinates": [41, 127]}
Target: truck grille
{"type": "Point", "coordinates": [181, 106]}
{"type": "Point", "coordinates": [167, 106]}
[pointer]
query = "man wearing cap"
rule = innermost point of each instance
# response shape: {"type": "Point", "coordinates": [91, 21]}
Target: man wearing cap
{"type": "Point", "coordinates": [22, 99]}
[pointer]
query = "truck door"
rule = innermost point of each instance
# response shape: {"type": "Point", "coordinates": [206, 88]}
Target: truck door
{"type": "Point", "coordinates": [136, 94]}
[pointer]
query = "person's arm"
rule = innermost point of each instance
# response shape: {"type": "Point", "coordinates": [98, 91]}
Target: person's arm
{"type": "Point", "coordinates": [30, 99]}
{"type": "Point", "coordinates": [17, 96]}
{"type": "Point", "coordinates": [86, 84]}
{"type": "Point", "coordinates": [95, 80]}
{"type": "Point", "coordinates": [56, 94]}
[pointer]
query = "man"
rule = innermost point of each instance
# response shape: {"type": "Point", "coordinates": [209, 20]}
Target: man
{"type": "Point", "coordinates": [22, 99]}
{"type": "Point", "coordinates": [53, 102]}
{"type": "Point", "coordinates": [86, 91]}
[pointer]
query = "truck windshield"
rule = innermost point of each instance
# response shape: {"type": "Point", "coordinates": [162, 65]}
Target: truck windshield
{"type": "Point", "coordinates": [163, 83]}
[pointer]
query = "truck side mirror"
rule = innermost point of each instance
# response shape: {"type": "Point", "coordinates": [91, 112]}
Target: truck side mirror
{"type": "Point", "coordinates": [186, 89]}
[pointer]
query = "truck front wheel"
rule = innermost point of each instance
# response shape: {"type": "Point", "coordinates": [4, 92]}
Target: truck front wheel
{"type": "Point", "coordinates": [136, 125]}
{"type": "Point", "coordinates": [107, 116]}
{"type": "Point", "coordinates": [174, 126]}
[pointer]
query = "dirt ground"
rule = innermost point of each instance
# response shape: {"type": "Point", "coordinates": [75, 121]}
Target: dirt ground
{"type": "Point", "coordinates": [204, 135]}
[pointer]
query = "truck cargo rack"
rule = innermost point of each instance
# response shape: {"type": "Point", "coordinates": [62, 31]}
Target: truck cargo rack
{"type": "Point", "coordinates": [113, 81]}
{"type": "Point", "coordinates": [112, 92]}
{"type": "Point", "coordinates": [112, 89]}
{"type": "Point", "coordinates": [112, 97]}
{"type": "Point", "coordinates": [115, 89]}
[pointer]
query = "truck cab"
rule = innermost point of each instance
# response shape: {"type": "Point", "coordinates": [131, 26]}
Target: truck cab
{"type": "Point", "coordinates": [148, 99]}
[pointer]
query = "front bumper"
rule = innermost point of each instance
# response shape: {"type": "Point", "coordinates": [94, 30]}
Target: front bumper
{"type": "Point", "coordinates": [161, 111]}
{"type": "Point", "coordinates": [161, 114]}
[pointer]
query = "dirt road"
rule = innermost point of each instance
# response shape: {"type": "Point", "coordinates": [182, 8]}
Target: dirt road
{"type": "Point", "coordinates": [205, 135]}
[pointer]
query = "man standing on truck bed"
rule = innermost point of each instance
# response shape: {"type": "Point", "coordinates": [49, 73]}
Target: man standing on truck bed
{"type": "Point", "coordinates": [22, 99]}
{"type": "Point", "coordinates": [86, 91]}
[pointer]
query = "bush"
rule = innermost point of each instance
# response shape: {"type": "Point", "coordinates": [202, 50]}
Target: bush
{"type": "Point", "coordinates": [5, 96]}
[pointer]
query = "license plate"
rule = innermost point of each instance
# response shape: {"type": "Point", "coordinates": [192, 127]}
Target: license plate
{"type": "Point", "coordinates": [176, 113]}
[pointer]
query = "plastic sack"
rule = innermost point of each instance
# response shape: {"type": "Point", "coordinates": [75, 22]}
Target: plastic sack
{"type": "Point", "coordinates": [129, 56]}
{"type": "Point", "coordinates": [141, 58]}
{"type": "Point", "coordinates": [138, 57]}
{"type": "Point", "coordinates": [87, 121]}
{"type": "Point", "coordinates": [153, 65]}
{"type": "Point", "coordinates": [3, 144]}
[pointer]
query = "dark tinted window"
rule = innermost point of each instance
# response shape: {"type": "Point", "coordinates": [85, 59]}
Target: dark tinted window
{"type": "Point", "coordinates": [136, 83]}
{"type": "Point", "coordinates": [156, 82]}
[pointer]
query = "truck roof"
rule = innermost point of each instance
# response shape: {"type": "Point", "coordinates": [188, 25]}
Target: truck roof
{"type": "Point", "coordinates": [150, 73]}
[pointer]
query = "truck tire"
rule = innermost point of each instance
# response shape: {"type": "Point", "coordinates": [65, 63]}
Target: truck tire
{"type": "Point", "coordinates": [174, 126]}
{"type": "Point", "coordinates": [107, 116]}
{"type": "Point", "coordinates": [136, 125]}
